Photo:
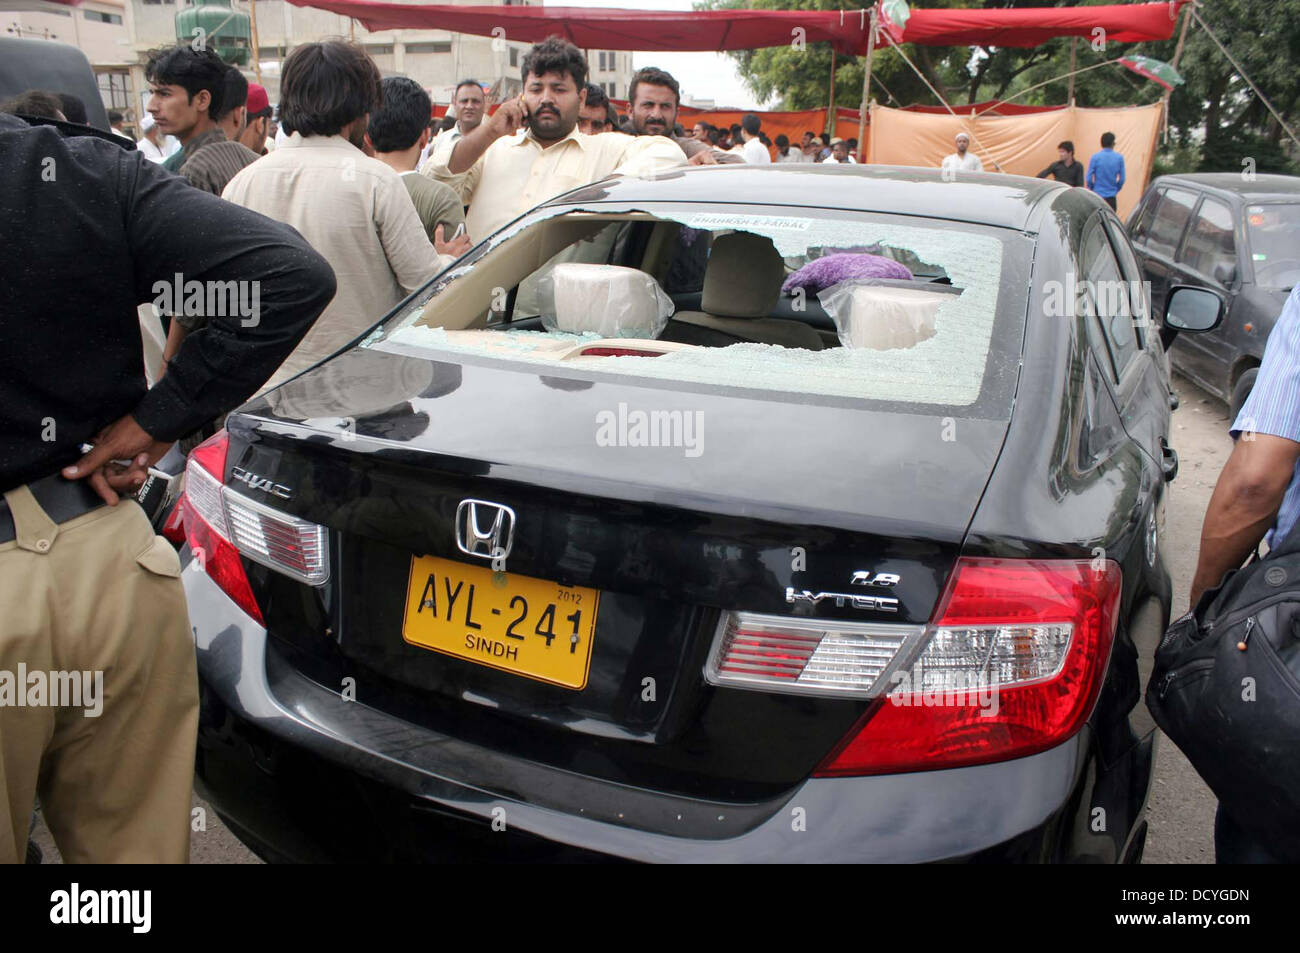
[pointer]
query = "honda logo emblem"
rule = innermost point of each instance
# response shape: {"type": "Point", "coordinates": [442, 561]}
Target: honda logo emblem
{"type": "Point", "coordinates": [486, 530]}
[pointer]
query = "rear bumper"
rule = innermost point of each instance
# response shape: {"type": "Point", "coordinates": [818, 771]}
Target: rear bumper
{"type": "Point", "coordinates": [302, 774]}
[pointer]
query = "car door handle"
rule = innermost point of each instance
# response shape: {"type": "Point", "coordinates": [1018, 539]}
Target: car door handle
{"type": "Point", "coordinates": [1168, 460]}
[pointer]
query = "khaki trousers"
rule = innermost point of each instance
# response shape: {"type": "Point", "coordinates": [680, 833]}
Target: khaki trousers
{"type": "Point", "coordinates": [97, 594]}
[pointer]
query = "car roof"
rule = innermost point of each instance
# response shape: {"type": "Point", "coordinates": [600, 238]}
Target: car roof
{"type": "Point", "coordinates": [1007, 201]}
{"type": "Point", "coordinates": [1257, 188]}
{"type": "Point", "coordinates": [54, 67]}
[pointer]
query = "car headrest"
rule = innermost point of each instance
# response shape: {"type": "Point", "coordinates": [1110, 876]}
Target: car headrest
{"type": "Point", "coordinates": [882, 317]}
{"type": "Point", "coordinates": [610, 300]}
{"type": "Point", "coordinates": [743, 277]}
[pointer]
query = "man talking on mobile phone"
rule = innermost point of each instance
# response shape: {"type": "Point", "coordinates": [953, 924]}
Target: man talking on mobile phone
{"type": "Point", "coordinates": [508, 172]}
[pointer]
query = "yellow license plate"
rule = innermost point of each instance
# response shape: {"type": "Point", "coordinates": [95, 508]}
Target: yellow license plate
{"type": "Point", "coordinates": [518, 624]}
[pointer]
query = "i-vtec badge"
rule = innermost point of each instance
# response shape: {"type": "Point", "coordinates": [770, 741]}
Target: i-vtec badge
{"type": "Point", "coordinates": [255, 482]}
{"type": "Point", "coordinates": [882, 580]}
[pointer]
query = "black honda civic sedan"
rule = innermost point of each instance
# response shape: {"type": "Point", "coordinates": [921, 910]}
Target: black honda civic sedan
{"type": "Point", "coordinates": [734, 515]}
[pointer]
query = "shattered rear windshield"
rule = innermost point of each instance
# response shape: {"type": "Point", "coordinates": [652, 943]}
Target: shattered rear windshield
{"type": "Point", "coordinates": [809, 303]}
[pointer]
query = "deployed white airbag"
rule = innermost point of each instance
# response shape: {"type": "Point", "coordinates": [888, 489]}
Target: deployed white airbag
{"type": "Point", "coordinates": [609, 300]}
{"type": "Point", "coordinates": [881, 317]}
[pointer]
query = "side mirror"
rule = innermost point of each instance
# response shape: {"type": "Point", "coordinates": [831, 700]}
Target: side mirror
{"type": "Point", "coordinates": [1193, 309]}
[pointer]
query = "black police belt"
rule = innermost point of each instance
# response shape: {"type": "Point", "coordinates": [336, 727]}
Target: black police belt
{"type": "Point", "coordinates": [61, 500]}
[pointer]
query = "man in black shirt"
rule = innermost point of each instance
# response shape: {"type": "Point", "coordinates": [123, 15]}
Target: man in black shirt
{"type": "Point", "coordinates": [94, 613]}
{"type": "Point", "coordinates": [1065, 169]}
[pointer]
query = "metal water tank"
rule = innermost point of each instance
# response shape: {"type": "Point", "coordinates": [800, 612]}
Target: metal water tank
{"type": "Point", "coordinates": [221, 27]}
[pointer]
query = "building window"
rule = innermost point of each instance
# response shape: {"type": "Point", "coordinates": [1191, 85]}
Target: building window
{"type": "Point", "coordinates": [380, 49]}
{"type": "Point", "coordinates": [98, 17]}
{"type": "Point", "coordinates": [609, 89]}
{"type": "Point", "coordinates": [437, 47]}
{"type": "Point", "coordinates": [114, 90]}
{"type": "Point", "coordinates": [514, 56]}
{"type": "Point", "coordinates": [157, 3]}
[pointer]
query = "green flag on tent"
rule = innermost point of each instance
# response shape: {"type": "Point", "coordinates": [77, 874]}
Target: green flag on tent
{"type": "Point", "coordinates": [1155, 70]}
{"type": "Point", "coordinates": [893, 18]}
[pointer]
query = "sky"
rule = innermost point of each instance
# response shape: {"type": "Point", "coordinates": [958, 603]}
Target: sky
{"type": "Point", "coordinates": [700, 74]}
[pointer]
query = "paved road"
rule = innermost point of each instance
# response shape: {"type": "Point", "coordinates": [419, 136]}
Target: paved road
{"type": "Point", "coordinates": [1181, 810]}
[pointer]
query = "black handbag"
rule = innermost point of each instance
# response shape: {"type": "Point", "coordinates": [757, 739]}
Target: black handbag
{"type": "Point", "coordinates": [1226, 690]}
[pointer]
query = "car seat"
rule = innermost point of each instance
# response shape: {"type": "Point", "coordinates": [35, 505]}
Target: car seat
{"type": "Point", "coordinates": [742, 285]}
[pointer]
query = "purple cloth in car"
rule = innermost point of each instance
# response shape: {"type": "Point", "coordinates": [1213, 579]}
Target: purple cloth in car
{"type": "Point", "coordinates": [821, 273]}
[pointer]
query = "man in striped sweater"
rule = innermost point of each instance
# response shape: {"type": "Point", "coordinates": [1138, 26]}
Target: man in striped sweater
{"type": "Point", "coordinates": [214, 164]}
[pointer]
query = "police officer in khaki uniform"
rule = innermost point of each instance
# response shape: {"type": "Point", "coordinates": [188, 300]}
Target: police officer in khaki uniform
{"type": "Point", "coordinates": [89, 227]}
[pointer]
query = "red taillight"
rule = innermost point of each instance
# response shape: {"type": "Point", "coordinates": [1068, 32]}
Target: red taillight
{"type": "Point", "coordinates": [1013, 665]}
{"type": "Point", "coordinates": [205, 523]}
{"type": "Point", "coordinates": [174, 529]}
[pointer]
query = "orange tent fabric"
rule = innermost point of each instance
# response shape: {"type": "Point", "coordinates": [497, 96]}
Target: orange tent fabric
{"type": "Point", "coordinates": [1021, 145]}
{"type": "Point", "coordinates": [793, 124]}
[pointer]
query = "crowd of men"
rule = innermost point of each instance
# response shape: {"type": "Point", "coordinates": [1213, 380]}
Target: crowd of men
{"type": "Point", "coordinates": [355, 209]}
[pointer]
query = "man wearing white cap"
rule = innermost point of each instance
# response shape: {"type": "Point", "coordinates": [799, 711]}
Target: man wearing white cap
{"type": "Point", "coordinates": [962, 160]}
{"type": "Point", "coordinates": [155, 146]}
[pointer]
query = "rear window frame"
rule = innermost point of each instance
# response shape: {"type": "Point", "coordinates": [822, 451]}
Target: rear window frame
{"type": "Point", "coordinates": [997, 389]}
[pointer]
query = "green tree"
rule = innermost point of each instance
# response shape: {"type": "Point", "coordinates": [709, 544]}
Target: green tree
{"type": "Point", "coordinates": [1215, 120]}
{"type": "Point", "coordinates": [1216, 104]}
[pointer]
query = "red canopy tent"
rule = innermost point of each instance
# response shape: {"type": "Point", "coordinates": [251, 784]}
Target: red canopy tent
{"type": "Point", "coordinates": [717, 30]}
{"type": "Point", "coordinates": [848, 31]}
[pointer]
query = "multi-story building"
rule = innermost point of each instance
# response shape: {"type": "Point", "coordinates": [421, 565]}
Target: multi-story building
{"type": "Point", "coordinates": [611, 70]}
{"type": "Point", "coordinates": [116, 36]}
{"type": "Point", "coordinates": [436, 59]}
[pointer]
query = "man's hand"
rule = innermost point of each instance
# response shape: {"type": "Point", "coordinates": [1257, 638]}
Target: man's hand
{"type": "Point", "coordinates": [124, 439]}
{"type": "Point", "coordinates": [1244, 505]}
{"type": "Point", "coordinates": [509, 116]}
{"type": "Point", "coordinates": [176, 335]}
{"type": "Point", "coordinates": [703, 157]}
{"type": "Point", "coordinates": [455, 247]}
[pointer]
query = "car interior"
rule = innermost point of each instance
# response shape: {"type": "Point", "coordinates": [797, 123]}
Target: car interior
{"type": "Point", "coordinates": [647, 286]}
